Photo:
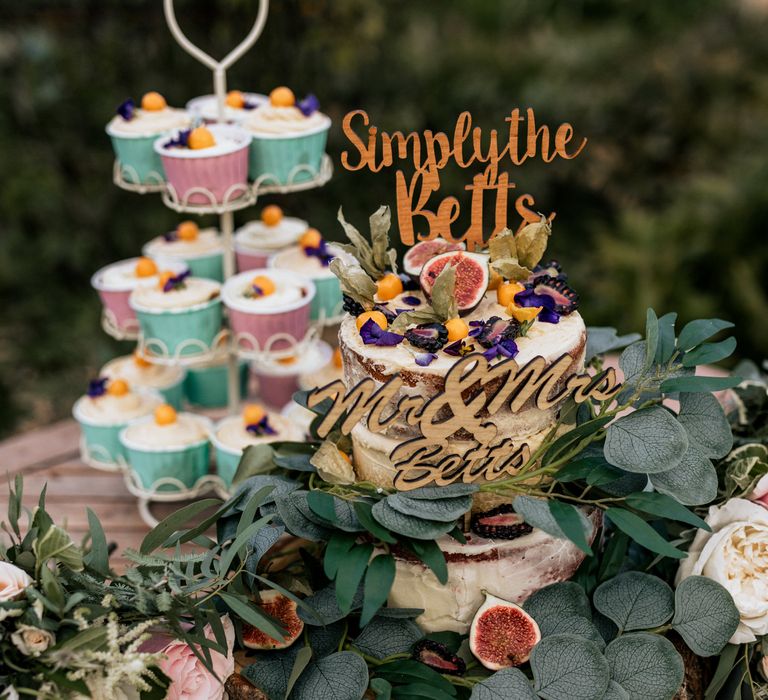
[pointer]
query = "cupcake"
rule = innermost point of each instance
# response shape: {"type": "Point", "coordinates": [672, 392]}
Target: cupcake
{"type": "Point", "coordinates": [268, 310]}
{"type": "Point", "coordinates": [168, 451]}
{"type": "Point", "coordinates": [115, 282]}
{"type": "Point", "coordinates": [108, 406]}
{"type": "Point", "coordinates": [313, 376]}
{"type": "Point", "coordinates": [288, 139]}
{"type": "Point", "coordinates": [206, 165]}
{"type": "Point", "coordinates": [312, 258]}
{"type": "Point", "coordinates": [201, 250]}
{"type": "Point", "coordinates": [180, 316]}
{"type": "Point", "coordinates": [254, 427]}
{"type": "Point", "coordinates": [279, 380]}
{"type": "Point", "coordinates": [167, 380]}
{"type": "Point", "coordinates": [237, 106]}
{"type": "Point", "coordinates": [258, 240]}
{"type": "Point", "coordinates": [206, 383]}
{"type": "Point", "coordinates": [133, 131]}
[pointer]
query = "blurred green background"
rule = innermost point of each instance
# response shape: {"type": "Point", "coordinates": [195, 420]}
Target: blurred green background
{"type": "Point", "coordinates": [667, 206]}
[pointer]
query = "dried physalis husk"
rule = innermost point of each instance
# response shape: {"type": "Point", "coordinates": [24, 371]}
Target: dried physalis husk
{"type": "Point", "coordinates": [443, 294]}
{"type": "Point", "coordinates": [384, 257]}
{"type": "Point", "coordinates": [532, 242]}
{"type": "Point", "coordinates": [510, 269]}
{"type": "Point", "coordinates": [414, 318]}
{"type": "Point", "coordinates": [355, 282]}
{"type": "Point", "coordinates": [332, 466]}
{"type": "Point", "coordinates": [502, 245]}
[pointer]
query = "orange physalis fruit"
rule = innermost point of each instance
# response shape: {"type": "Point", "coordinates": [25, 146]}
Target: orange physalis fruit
{"type": "Point", "coordinates": [187, 231]}
{"type": "Point", "coordinates": [337, 358]}
{"type": "Point", "coordinates": [523, 313]}
{"type": "Point", "coordinates": [145, 267]}
{"type": "Point", "coordinates": [287, 360]}
{"type": "Point", "coordinates": [235, 99]}
{"type": "Point", "coordinates": [457, 329]}
{"type": "Point", "coordinates": [388, 287]}
{"type": "Point", "coordinates": [345, 456]}
{"type": "Point", "coordinates": [311, 238]}
{"type": "Point", "coordinates": [262, 286]}
{"type": "Point", "coordinates": [494, 280]}
{"type": "Point", "coordinates": [117, 387]}
{"type": "Point", "coordinates": [153, 102]}
{"type": "Point", "coordinates": [200, 138]}
{"type": "Point", "coordinates": [282, 97]}
{"type": "Point", "coordinates": [505, 293]}
{"type": "Point", "coordinates": [165, 414]}
{"type": "Point", "coordinates": [253, 413]}
{"type": "Point", "coordinates": [376, 316]}
{"type": "Point", "coordinates": [140, 361]}
{"type": "Point", "coordinates": [271, 215]}
{"type": "Point", "coordinates": [164, 277]}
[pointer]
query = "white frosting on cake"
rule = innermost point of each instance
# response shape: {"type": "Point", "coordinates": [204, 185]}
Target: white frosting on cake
{"type": "Point", "coordinates": [207, 243]}
{"type": "Point", "coordinates": [115, 410]}
{"type": "Point", "coordinates": [147, 375]}
{"type": "Point", "coordinates": [148, 123]}
{"type": "Point", "coordinates": [284, 121]}
{"type": "Point", "coordinates": [257, 236]}
{"type": "Point", "coordinates": [194, 292]}
{"type": "Point", "coordinates": [188, 429]}
{"type": "Point", "coordinates": [232, 434]}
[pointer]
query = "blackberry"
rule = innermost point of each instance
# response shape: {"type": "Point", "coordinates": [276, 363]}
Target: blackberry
{"type": "Point", "coordinates": [428, 336]}
{"type": "Point", "coordinates": [352, 307]}
{"type": "Point", "coordinates": [496, 329]}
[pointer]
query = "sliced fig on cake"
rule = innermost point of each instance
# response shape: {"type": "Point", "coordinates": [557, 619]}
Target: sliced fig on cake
{"type": "Point", "coordinates": [282, 609]}
{"type": "Point", "coordinates": [417, 255]}
{"type": "Point", "coordinates": [439, 657]}
{"type": "Point", "coordinates": [500, 523]}
{"type": "Point", "coordinates": [502, 634]}
{"type": "Point", "coordinates": [472, 277]}
{"type": "Point", "coordinates": [565, 299]}
{"type": "Point", "coordinates": [551, 268]}
{"type": "Point", "coordinates": [429, 337]}
{"type": "Point", "coordinates": [496, 329]}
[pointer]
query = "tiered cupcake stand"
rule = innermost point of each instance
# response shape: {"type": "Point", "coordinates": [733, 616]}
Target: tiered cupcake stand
{"type": "Point", "coordinates": [265, 355]}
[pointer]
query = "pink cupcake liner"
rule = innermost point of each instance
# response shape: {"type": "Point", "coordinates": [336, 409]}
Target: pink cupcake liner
{"type": "Point", "coordinates": [259, 330]}
{"type": "Point", "coordinates": [276, 391]}
{"type": "Point", "coordinates": [224, 176]}
{"type": "Point", "coordinates": [117, 304]}
{"type": "Point", "coordinates": [250, 260]}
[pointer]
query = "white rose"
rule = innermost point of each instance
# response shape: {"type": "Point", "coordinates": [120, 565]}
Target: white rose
{"type": "Point", "coordinates": [13, 581]}
{"type": "Point", "coordinates": [32, 641]}
{"type": "Point", "coordinates": [735, 554]}
{"type": "Point", "coordinates": [10, 693]}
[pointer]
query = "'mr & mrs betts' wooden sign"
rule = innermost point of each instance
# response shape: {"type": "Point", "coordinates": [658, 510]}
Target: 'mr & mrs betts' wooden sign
{"type": "Point", "coordinates": [474, 391]}
{"type": "Point", "coordinates": [468, 147]}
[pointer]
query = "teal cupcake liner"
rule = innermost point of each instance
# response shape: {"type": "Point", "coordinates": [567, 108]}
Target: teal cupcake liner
{"type": "Point", "coordinates": [187, 465]}
{"type": "Point", "coordinates": [207, 386]}
{"type": "Point", "coordinates": [227, 461]}
{"type": "Point", "coordinates": [174, 394]}
{"type": "Point", "coordinates": [209, 266]}
{"type": "Point", "coordinates": [181, 333]}
{"type": "Point", "coordinates": [139, 164]}
{"type": "Point", "coordinates": [278, 160]}
{"type": "Point", "coordinates": [102, 442]}
{"type": "Point", "coordinates": [327, 301]}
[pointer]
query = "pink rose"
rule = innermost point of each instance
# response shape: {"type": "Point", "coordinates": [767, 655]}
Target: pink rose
{"type": "Point", "coordinates": [760, 494]}
{"type": "Point", "coordinates": [190, 679]}
{"type": "Point", "coordinates": [13, 581]}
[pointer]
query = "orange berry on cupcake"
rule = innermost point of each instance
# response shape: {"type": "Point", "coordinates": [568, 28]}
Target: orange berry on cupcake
{"type": "Point", "coordinates": [165, 414]}
{"type": "Point", "coordinates": [145, 267]}
{"type": "Point", "coordinates": [153, 102]}
{"type": "Point", "coordinates": [262, 286]}
{"type": "Point", "coordinates": [187, 231]}
{"type": "Point", "coordinates": [271, 215]}
{"type": "Point", "coordinates": [117, 387]}
{"type": "Point", "coordinates": [311, 238]}
{"type": "Point", "coordinates": [376, 316]}
{"type": "Point", "coordinates": [200, 137]}
{"type": "Point", "coordinates": [286, 360]}
{"type": "Point", "coordinates": [388, 287]}
{"type": "Point", "coordinates": [140, 361]}
{"type": "Point", "coordinates": [253, 413]}
{"type": "Point", "coordinates": [235, 99]}
{"type": "Point", "coordinates": [282, 97]}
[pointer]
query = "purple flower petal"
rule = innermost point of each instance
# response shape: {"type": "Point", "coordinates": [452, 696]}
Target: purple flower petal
{"type": "Point", "coordinates": [458, 348]}
{"type": "Point", "coordinates": [181, 140]}
{"type": "Point", "coordinates": [388, 313]}
{"type": "Point", "coordinates": [250, 103]}
{"type": "Point", "coordinates": [425, 358]}
{"type": "Point", "coordinates": [176, 282]}
{"type": "Point", "coordinates": [508, 348]}
{"type": "Point", "coordinates": [373, 334]}
{"type": "Point", "coordinates": [97, 387]}
{"type": "Point", "coordinates": [309, 105]}
{"type": "Point", "coordinates": [127, 110]}
{"type": "Point", "coordinates": [529, 298]}
{"type": "Point", "coordinates": [261, 428]}
{"type": "Point", "coordinates": [548, 316]}
{"type": "Point", "coordinates": [411, 301]}
{"type": "Point", "coordinates": [320, 252]}
{"type": "Point", "coordinates": [477, 324]}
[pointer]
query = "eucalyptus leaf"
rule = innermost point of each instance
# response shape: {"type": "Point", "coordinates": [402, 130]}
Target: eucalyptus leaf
{"type": "Point", "coordinates": [693, 482]}
{"type": "Point", "coordinates": [698, 331]}
{"type": "Point", "coordinates": [430, 553]}
{"type": "Point", "coordinates": [709, 353]}
{"type": "Point", "coordinates": [256, 459]}
{"type": "Point", "coordinates": [651, 338]}
{"type": "Point", "coordinates": [615, 692]}
{"type": "Point", "coordinates": [666, 345]}
{"type": "Point", "coordinates": [301, 661]}
{"type": "Point", "coordinates": [326, 607]}
{"type": "Point", "coordinates": [571, 624]}
{"type": "Point", "coordinates": [569, 519]}
{"type": "Point", "coordinates": [646, 441]}
{"type": "Point", "coordinates": [704, 420]}
{"type": "Point", "coordinates": [271, 670]}
{"type": "Point", "coordinates": [536, 512]}
{"type": "Point", "coordinates": [646, 666]}
{"type": "Point", "coordinates": [444, 509]}
{"type": "Point", "coordinates": [698, 383]}
{"type": "Point", "coordinates": [450, 491]}
{"type": "Point", "coordinates": [385, 636]}
{"type": "Point", "coordinates": [408, 525]}
{"type": "Point", "coordinates": [665, 507]}
{"type": "Point", "coordinates": [705, 615]}
{"type": "Point", "coordinates": [340, 676]}
{"type": "Point", "coordinates": [601, 340]}
{"type": "Point", "coordinates": [564, 599]}
{"type": "Point", "coordinates": [506, 684]}
{"type": "Point", "coordinates": [293, 509]}
{"type": "Point", "coordinates": [324, 640]}
{"type": "Point", "coordinates": [642, 533]}
{"type": "Point", "coordinates": [378, 582]}
{"type": "Point", "coordinates": [57, 545]}
{"type": "Point", "coordinates": [567, 666]}
{"type": "Point", "coordinates": [635, 601]}
{"type": "Point", "coordinates": [350, 573]}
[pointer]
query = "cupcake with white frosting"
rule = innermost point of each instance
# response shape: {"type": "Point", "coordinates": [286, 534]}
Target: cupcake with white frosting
{"type": "Point", "coordinates": [168, 451]}
{"type": "Point", "coordinates": [258, 240]}
{"type": "Point", "coordinates": [312, 259]}
{"type": "Point", "coordinates": [108, 406]}
{"type": "Point", "coordinates": [180, 316]}
{"type": "Point", "coordinates": [268, 309]}
{"type": "Point", "coordinates": [166, 379]}
{"type": "Point", "coordinates": [289, 138]}
{"type": "Point", "coordinates": [200, 249]}
{"type": "Point", "coordinates": [133, 131]}
{"type": "Point", "coordinates": [207, 384]}
{"type": "Point", "coordinates": [206, 165]}
{"type": "Point", "coordinates": [232, 435]}
{"type": "Point", "coordinates": [237, 106]}
{"type": "Point", "coordinates": [115, 282]}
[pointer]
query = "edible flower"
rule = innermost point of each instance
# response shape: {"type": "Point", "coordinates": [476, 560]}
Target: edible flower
{"type": "Point", "coordinates": [423, 359]}
{"type": "Point", "coordinates": [373, 334]}
{"type": "Point", "coordinates": [529, 298]}
{"type": "Point", "coordinates": [459, 348]}
{"type": "Point", "coordinates": [181, 140]}
{"type": "Point", "coordinates": [309, 105]}
{"type": "Point", "coordinates": [97, 387]}
{"type": "Point", "coordinates": [320, 252]}
{"type": "Point", "coordinates": [505, 348]}
{"type": "Point", "coordinates": [174, 282]}
{"type": "Point", "coordinates": [411, 300]}
{"type": "Point", "coordinates": [261, 428]}
{"type": "Point", "coordinates": [127, 109]}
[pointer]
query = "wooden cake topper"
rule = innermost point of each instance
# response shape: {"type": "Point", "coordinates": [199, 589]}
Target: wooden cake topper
{"type": "Point", "coordinates": [431, 152]}
{"type": "Point", "coordinates": [475, 390]}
